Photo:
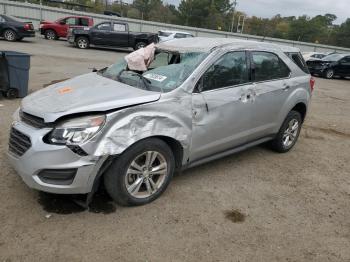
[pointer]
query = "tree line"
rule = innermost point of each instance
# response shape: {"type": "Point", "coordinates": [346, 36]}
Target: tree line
{"type": "Point", "coordinates": [218, 15]}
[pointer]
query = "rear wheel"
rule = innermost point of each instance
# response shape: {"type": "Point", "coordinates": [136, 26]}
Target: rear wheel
{"type": "Point", "coordinates": [10, 35]}
{"type": "Point", "coordinates": [288, 133]}
{"type": "Point", "coordinates": [82, 42]}
{"type": "Point", "coordinates": [329, 74]}
{"type": "Point", "coordinates": [141, 174]}
{"type": "Point", "coordinates": [140, 45]}
{"type": "Point", "coordinates": [51, 35]}
{"type": "Point", "coordinates": [12, 93]}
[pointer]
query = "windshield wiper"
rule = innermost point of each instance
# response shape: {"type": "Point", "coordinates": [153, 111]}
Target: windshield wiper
{"type": "Point", "coordinates": [146, 82]}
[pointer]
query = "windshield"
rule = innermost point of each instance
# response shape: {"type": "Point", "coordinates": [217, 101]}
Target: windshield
{"type": "Point", "coordinates": [167, 72]}
{"type": "Point", "coordinates": [333, 58]}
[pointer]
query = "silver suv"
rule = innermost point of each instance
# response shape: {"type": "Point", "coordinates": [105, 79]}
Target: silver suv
{"type": "Point", "coordinates": [199, 100]}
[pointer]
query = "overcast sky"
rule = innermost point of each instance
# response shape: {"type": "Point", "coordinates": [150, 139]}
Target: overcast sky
{"type": "Point", "coordinates": [269, 8]}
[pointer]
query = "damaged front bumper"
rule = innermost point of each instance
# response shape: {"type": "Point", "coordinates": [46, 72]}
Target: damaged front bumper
{"type": "Point", "coordinates": [51, 168]}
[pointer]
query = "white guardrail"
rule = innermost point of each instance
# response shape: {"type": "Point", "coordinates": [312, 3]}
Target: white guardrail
{"type": "Point", "coordinates": [36, 13]}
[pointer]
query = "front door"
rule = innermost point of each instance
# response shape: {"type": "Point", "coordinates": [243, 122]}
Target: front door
{"type": "Point", "coordinates": [101, 34]}
{"type": "Point", "coordinates": [222, 106]}
{"type": "Point", "coordinates": [344, 66]}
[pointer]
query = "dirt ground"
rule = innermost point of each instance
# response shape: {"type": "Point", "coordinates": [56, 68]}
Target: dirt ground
{"type": "Point", "coordinates": [253, 206]}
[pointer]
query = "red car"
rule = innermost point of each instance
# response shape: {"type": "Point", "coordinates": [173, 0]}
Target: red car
{"type": "Point", "coordinates": [59, 28]}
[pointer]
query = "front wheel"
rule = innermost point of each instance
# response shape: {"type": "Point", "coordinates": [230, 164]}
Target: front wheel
{"type": "Point", "coordinates": [141, 174]}
{"type": "Point", "coordinates": [140, 45]}
{"type": "Point", "coordinates": [51, 35]}
{"type": "Point", "coordinates": [288, 133]}
{"type": "Point", "coordinates": [329, 74]}
{"type": "Point", "coordinates": [82, 42]}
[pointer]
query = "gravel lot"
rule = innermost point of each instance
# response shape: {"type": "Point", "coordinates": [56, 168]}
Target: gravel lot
{"type": "Point", "coordinates": [253, 206]}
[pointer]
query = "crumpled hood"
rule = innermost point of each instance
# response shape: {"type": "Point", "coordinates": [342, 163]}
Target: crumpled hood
{"type": "Point", "coordinates": [86, 93]}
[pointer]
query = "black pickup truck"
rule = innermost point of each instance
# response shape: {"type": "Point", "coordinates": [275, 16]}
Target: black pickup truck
{"type": "Point", "coordinates": [110, 34]}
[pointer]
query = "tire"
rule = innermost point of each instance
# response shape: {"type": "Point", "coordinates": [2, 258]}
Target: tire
{"type": "Point", "coordinates": [281, 143]}
{"type": "Point", "coordinates": [50, 34]}
{"type": "Point", "coordinates": [140, 45]}
{"type": "Point", "coordinates": [329, 74]}
{"type": "Point", "coordinates": [10, 35]}
{"type": "Point", "coordinates": [122, 185]}
{"type": "Point", "coordinates": [12, 93]}
{"type": "Point", "coordinates": [82, 42]}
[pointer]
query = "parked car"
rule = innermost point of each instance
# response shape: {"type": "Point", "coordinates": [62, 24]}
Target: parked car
{"type": "Point", "coordinates": [110, 34]}
{"type": "Point", "coordinates": [12, 29]}
{"type": "Point", "coordinates": [195, 103]}
{"type": "Point", "coordinates": [169, 35]}
{"type": "Point", "coordinates": [111, 13]}
{"type": "Point", "coordinates": [313, 56]}
{"type": "Point", "coordinates": [59, 28]}
{"type": "Point", "coordinates": [330, 66]}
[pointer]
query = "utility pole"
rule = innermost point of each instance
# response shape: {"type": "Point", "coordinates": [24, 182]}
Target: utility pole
{"type": "Point", "coordinates": [233, 14]}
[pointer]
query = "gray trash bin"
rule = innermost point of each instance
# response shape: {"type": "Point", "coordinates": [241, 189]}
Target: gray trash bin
{"type": "Point", "coordinates": [14, 73]}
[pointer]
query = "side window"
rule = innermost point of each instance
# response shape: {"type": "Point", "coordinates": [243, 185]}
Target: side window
{"type": "Point", "coordinates": [268, 66]}
{"type": "Point", "coordinates": [299, 61]}
{"type": "Point", "coordinates": [71, 21]}
{"type": "Point", "coordinates": [231, 69]}
{"type": "Point", "coordinates": [119, 27]}
{"type": "Point", "coordinates": [104, 26]}
{"type": "Point", "coordinates": [180, 35]}
{"type": "Point", "coordinates": [346, 60]}
{"type": "Point", "coordinates": [84, 22]}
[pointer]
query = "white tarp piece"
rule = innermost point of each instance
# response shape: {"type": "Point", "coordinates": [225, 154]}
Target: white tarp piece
{"type": "Point", "coordinates": [140, 59]}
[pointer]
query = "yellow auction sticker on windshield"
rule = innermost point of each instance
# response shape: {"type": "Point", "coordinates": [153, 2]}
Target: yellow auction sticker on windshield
{"type": "Point", "coordinates": [155, 77]}
{"type": "Point", "coordinates": [65, 90]}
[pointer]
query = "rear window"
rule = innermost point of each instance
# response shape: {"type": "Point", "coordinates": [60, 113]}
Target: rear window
{"type": "Point", "coordinates": [299, 61]}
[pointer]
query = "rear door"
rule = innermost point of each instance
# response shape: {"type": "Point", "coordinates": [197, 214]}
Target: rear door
{"type": "Point", "coordinates": [120, 35]}
{"type": "Point", "coordinates": [272, 86]}
{"type": "Point", "coordinates": [222, 106]}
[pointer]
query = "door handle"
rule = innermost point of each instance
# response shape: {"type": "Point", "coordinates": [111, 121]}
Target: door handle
{"type": "Point", "coordinates": [286, 87]}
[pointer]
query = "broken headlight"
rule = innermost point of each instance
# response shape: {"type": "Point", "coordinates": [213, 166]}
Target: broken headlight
{"type": "Point", "coordinates": [76, 131]}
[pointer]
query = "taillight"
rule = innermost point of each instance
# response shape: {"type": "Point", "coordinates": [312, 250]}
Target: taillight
{"type": "Point", "coordinates": [312, 83]}
{"type": "Point", "coordinates": [27, 27]}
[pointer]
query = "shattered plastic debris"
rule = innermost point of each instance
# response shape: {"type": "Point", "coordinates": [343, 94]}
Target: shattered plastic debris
{"type": "Point", "coordinates": [140, 59]}
{"type": "Point", "coordinates": [48, 216]}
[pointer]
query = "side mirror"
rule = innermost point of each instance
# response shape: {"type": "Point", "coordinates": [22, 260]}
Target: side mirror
{"type": "Point", "coordinates": [62, 22]}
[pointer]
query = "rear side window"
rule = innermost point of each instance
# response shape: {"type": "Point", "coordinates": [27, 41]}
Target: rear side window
{"type": "Point", "coordinates": [84, 22]}
{"type": "Point", "coordinates": [180, 35]}
{"type": "Point", "coordinates": [119, 27]}
{"type": "Point", "coordinates": [231, 69]}
{"type": "Point", "coordinates": [2, 19]}
{"type": "Point", "coordinates": [299, 61]}
{"type": "Point", "coordinates": [268, 66]}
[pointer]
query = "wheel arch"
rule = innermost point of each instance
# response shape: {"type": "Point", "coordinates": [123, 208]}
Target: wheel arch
{"type": "Point", "coordinates": [301, 108]}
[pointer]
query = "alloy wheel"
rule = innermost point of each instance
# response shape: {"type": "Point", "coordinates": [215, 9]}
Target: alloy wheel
{"type": "Point", "coordinates": [330, 74]}
{"type": "Point", "coordinates": [146, 174]}
{"type": "Point", "coordinates": [290, 133]}
{"type": "Point", "coordinates": [82, 43]}
{"type": "Point", "coordinates": [9, 35]}
{"type": "Point", "coordinates": [50, 35]}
